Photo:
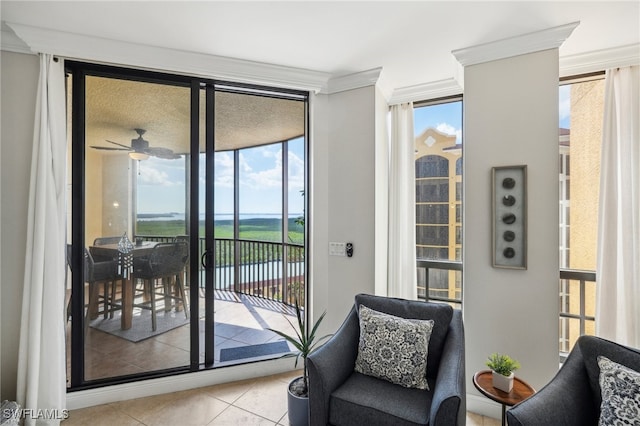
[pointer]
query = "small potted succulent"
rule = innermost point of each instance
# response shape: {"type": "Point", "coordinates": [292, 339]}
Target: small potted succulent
{"type": "Point", "coordinates": [502, 367]}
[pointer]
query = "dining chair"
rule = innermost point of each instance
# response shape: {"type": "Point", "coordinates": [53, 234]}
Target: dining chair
{"type": "Point", "coordinates": [161, 270]}
{"type": "Point", "coordinates": [103, 241]}
{"type": "Point", "coordinates": [97, 273]}
{"type": "Point", "coordinates": [186, 274]}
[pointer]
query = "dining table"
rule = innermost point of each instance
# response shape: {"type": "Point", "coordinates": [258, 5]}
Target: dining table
{"type": "Point", "coordinates": [111, 250]}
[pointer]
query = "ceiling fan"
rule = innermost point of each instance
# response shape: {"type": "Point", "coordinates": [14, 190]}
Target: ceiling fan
{"type": "Point", "coordinates": [140, 149]}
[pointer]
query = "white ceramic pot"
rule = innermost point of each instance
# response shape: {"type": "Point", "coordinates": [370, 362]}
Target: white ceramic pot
{"type": "Point", "coordinates": [504, 383]}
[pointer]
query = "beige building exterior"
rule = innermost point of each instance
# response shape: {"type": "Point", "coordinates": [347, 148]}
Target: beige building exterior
{"type": "Point", "coordinates": [438, 209]}
{"type": "Point", "coordinates": [583, 176]}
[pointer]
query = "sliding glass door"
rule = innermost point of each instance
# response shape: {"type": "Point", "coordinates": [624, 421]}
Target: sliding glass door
{"type": "Point", "coordinates": [181, 203]}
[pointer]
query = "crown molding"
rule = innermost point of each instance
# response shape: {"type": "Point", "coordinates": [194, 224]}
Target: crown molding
{"type": "Point", "coordinates": [599, 60]}
{"type": "Point", "coordinates": [9, 42]}
{"type": "Point", "coordinates": [514, 46]}
{"type": "Point", "coordinates": [95, 49]}
{"type": "Point", "coordinates": [420, 92]}
{"type": "Point", "coordinates": [353, 81]}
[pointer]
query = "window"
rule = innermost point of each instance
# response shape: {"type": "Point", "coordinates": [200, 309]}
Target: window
{"type": "Point", "coordinates": [581, 115]}
{"type": "Point", "coordinates": [438, 172]}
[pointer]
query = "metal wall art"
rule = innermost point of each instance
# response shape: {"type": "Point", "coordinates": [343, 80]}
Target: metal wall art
{"type": "Point", "coordinates": [509, 216]}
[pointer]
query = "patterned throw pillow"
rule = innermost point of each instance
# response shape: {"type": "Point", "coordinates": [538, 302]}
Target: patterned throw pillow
{"type": "Point", "coordinates": [620, 387]}
{"type": "Point", "coordinates": [393, 348]}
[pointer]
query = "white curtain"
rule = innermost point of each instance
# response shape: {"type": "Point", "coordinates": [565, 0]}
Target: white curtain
{"type": "Point", "coordinates": [618, 261]}
{"type": "Point", "coordinates": [401, 279]}
{"type": "Point", "coordinates": [41, 364]}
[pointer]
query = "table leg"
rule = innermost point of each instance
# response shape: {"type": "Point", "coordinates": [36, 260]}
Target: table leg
{"type": "Point", "coordinates": [504, 420]}
{"type": "Point", "coordinates": [127, 304]}
{"type": "Point", "coordinates": [93, 301]}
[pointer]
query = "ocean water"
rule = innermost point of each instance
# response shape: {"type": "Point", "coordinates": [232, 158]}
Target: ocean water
{"type": "Point", "coordinates": [218, 216]}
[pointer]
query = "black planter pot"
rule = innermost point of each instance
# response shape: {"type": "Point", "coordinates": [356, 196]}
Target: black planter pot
{"type": "Point", "coordinates": [298, 407]}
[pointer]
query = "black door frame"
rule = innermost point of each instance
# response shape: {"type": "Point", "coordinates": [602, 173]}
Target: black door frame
{"type": "Point", "coordinates": [79, 72]}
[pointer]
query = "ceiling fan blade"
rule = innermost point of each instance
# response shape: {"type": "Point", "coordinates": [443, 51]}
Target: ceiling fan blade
{"type": "Point", "coordinates": [160, 152]}
{"type": "Point", "coordinates": [108, 148]}
{"type": "Point", "coordinates": [119, 144]}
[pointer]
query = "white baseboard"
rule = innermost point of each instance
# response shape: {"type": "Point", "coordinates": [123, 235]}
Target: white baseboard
{"type": "Point", "coordinates": [143, 388]}
{"type": "Point", "coordinates": [482, 405]}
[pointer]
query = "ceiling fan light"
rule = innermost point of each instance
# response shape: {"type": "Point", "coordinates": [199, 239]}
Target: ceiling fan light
{"type": "Point", "coordinates": [138, 156]}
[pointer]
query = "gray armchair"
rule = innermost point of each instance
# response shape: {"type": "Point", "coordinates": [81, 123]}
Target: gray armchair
{"type": "Point", "coordinates": [340, 396]}
{"type": "Point", "coordinates": [573, 396]}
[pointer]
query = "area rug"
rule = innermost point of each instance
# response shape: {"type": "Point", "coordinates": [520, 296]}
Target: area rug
{"type": "Point", "coordinates": [141, 324]}
{"type": "Point", "coordinates": [252, 351]}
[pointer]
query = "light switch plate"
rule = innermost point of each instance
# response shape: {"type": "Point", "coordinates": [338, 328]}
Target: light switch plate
{"type": "Point", "coordinates": [337, 249]}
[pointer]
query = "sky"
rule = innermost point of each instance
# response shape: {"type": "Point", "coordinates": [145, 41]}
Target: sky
{"type": "Point", "coordinates": [446, 118]}
{"type": "Point", "coordinates": [161, 183]}
{"type": "Point", "coordinates": [564, 105]}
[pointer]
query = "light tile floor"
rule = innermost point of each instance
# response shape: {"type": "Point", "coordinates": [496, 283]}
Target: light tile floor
{"type": "Point", "coordinates": [239, 321]}
{"type": "Point", "coordinates": [260, 401]}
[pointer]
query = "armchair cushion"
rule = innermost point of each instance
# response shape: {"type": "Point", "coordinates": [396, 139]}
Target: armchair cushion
{"type": "Point", "coordinates": [620, 393]}
{"type": "Point", "coordinates": [393, 348]}
{"type": "Point", "coordinates": [383, 403]}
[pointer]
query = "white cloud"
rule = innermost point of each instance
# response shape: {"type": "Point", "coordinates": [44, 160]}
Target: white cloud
{"type": "Point", "coordinates": [296, 172]}
{"type": "Point", "coordinates": [150, 175]}
{"type": "Point", "coordinates": [223, 167]}
{"type": "Point", "coordinates": [267, 178]}
{"type": "Point", "coordinates": [448, 129]}
{"type": "Point", "coordinates": [565, 102]}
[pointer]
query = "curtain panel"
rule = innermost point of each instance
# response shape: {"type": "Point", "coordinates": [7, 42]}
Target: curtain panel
{"type": "Point", "coordinates": [41, 381]}
{"type": "Point", "coordinates": [401, 279]}
{"type": "Point", "coordinates": [618, 255]}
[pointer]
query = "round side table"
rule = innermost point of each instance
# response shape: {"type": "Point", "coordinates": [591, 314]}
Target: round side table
{"type": "Point", "coordinates": [521, 391]}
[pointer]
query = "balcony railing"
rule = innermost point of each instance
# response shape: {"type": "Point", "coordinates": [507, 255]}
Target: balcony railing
{"type": "Point", "coordinates": [440, 280]}
{"type": "Point", "coordinates": [260, 269]}
{"type": "Point", "coordinates": [261, 272]}
{"type": "Point", "coordinates": [577, 306]}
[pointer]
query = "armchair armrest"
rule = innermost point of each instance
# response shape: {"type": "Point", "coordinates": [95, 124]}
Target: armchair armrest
{"type": "Point", "coordinates": [330, 366]}
{"type": "Point", "coordinates": [448, 406]}
{"type": "Point", "coordinates": [567, 399]}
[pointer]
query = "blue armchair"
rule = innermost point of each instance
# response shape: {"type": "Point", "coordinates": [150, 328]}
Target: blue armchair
{"type": "Point", "coordinates": [340, 396]}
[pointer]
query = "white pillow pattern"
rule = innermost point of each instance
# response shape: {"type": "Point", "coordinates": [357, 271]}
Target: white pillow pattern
{"type": "Point", "coordinates": [620, 388]}
{"type": "Point", "coordinates": [393, 348]}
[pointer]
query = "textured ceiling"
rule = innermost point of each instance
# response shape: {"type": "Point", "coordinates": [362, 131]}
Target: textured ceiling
{"type": "Point", "coordinates": [116, 107]}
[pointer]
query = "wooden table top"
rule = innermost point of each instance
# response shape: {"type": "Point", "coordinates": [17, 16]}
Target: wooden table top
{"type": "Point", "coordinates": [521, 389]}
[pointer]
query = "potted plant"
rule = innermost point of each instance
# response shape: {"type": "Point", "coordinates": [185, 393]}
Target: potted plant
{"type": "Point", "coordinates": [502, 367]}
{"type": "Point", "coordinates": [305, 341]}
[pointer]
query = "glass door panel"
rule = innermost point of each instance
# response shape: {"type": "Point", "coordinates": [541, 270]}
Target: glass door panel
{"type": "Point", "coordinates": [136, 217]}
{"type": "Point", "coordinates": [252, 130]}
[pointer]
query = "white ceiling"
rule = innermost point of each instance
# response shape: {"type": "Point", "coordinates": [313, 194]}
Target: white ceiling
{"type": "Point", "coordinates": [411, 41]}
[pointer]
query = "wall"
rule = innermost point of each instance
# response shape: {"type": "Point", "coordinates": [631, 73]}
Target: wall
{"type": "Point", "coordinates": [343, 187]}
{"type": "Point", "coordinates": [18, 87]}
{"type": "Point", "coordinates": [346, 128]}
{"type": "Point", "coordinates": [511, 118]}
